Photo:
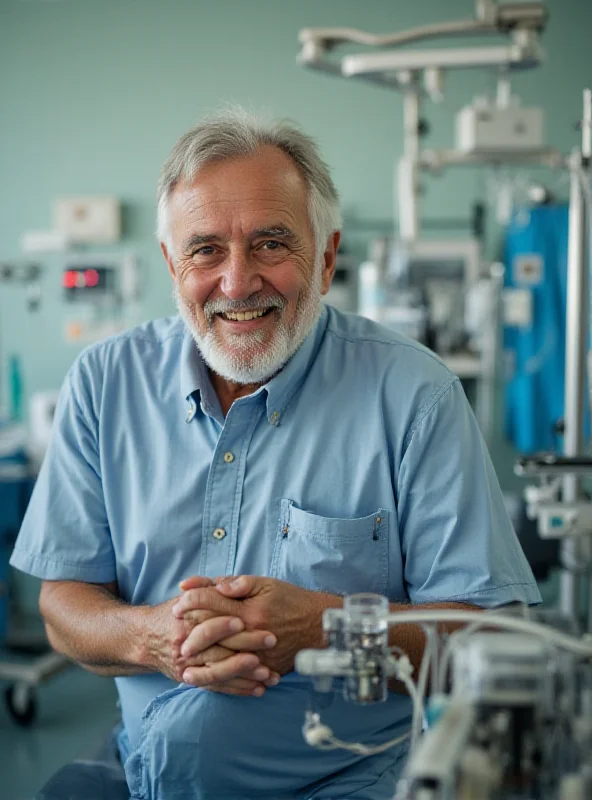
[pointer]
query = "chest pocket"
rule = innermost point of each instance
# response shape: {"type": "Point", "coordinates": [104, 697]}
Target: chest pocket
{"type": "Point", "coordinates": [326, 554]}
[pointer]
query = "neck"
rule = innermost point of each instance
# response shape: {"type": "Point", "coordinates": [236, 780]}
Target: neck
{"type": "Point", "coordinates": [228, 391]}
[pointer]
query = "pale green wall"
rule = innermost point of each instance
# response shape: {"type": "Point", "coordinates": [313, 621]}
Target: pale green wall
{"type": "Point", "coordinates": [93, 93]}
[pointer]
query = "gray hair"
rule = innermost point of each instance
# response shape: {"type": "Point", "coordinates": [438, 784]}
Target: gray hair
{"type": "Point", "coordinates": [234, 133]}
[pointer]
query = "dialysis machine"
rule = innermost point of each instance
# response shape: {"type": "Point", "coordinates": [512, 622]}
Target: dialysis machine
{"type": "Point", "coordinates": [510, 708]}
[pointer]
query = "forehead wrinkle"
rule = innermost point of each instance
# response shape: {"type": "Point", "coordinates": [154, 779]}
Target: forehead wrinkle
{"type": "Point", "coordinates": [213, 219]}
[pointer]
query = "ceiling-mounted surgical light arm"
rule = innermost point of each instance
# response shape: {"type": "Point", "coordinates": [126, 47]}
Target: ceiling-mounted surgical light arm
{"type": "Point", "coordinates": [519, 54]}
{"type": "Point", "coordinates": [328, 38]}
{"type": "Point", "coordinates": [522, 20]}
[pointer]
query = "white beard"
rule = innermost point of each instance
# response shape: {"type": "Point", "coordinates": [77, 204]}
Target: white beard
{"type": "Point", "coordinates": [247, 359]}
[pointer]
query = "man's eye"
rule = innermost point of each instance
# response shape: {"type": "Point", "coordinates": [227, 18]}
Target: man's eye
{"type": "Point", "coordinates": [272, 244]}
{"type": "Point", "coordinates": [206, 250]}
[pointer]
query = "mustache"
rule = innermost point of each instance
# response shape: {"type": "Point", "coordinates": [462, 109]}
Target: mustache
{"type": "Point", "coordinates": [256, 302]}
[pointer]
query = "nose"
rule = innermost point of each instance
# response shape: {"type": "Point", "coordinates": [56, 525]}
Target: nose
{"type": "Point", "coordinates": [240, 277]}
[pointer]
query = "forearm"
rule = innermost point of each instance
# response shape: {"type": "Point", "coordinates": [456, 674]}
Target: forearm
{"type": "Point", "coordinates": [91, 625]}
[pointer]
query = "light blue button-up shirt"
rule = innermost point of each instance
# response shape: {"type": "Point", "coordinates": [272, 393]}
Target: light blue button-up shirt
{"type": "Point", "coordinates": [358, 468]}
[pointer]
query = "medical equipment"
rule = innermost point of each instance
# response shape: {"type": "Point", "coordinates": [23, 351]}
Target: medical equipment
{"type": "Point", "coordinates": [491, 131]}
{"type": "Point", "coordinates": [23, 676]}
{"type": "Point", "coordinates": [101, 287]}
{"type": "Point", "coordinates": [510, 713]}
{"type": "Point", "coordinates": [436, 290]}
{"type": "Point", "coordinates": [559, 503]}
{"type": "Point", "coordinates": [516, 721]}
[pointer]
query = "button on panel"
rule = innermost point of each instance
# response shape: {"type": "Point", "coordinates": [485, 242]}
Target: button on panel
{"type": "Point", "coordinates": [219, 533]}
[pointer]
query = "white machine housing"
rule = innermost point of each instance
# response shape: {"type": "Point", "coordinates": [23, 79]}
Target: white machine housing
{"type": "Point", "coordinates": [487, 128]}
{"type": "Point", "coordinates": [502, 669]}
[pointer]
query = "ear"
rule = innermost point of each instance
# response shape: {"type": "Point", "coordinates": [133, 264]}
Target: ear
{"type": "Point", "coordinates": [169, 260]}
{"type": "Point", "coordinates": [330, 259]}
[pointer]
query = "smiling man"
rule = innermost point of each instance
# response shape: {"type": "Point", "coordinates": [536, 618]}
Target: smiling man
{"type": "Point", "coordinates": [262, 435]}
{"type": "Point", "coordinates": [247, 278]}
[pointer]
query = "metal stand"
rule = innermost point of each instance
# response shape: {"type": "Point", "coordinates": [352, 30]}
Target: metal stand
{"type": "Point", "coordinates": [569, 516]}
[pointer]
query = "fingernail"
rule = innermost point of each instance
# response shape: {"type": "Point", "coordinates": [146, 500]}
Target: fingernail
{"type": "Point", "coordinates": [187, 676]}
{"type": "Point", "coordinates": [270, 641]}
{"type": "Point", "coordinates": [273, 681]}
{"type": "Point", "coordinates": [258, 691]}
{"type": "Point", "coordinates": [236, 625]}
{"type": "Point", "coordinates": [185, 651]}
{"type": "Point", "coordinates": [261, 674]}
{"type": "Point", "coordinates": [175, 611]}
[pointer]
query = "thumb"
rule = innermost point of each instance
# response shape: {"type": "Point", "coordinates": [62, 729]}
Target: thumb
{"type": "Point", "coordinates": [195, 582]}
{"type": "Point", "coordinates": [241, 586]}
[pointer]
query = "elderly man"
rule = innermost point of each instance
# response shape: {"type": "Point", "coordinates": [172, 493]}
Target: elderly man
{"type": "Point", "coordinates": [262, 435]}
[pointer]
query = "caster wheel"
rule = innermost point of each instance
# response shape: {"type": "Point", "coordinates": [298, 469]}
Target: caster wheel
{"type": "Point", "coordinates": [21, 703]}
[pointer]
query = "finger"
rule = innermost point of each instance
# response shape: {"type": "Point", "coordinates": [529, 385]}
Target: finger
{"type": "Point", "coordinates": [241, 586]}
{"type": "Point", "coordinates": [250, 640]}
{"type": "Point", "coordinates": [218, 653]}
{"type": "Point", "coordinates": [238, 666]}
{"type": "Point", "coordinates": [205, 598]}
{"type": "Point", "coordinates": [210, 632]}
{"type": "Point", "coordinates": [209, 656]}
{"type": "Point", "coordinates": [196, 617]}
{"type": "Point", "coordinates": [194, 582]}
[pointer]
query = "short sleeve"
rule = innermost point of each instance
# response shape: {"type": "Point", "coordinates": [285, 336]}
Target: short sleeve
{"type": "Point", "coordinates": [65, 533]}
{"type": "Point", "coordinates": [457, 540]}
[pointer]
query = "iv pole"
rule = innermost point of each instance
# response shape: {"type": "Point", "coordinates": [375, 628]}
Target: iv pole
{"type": "Point", "coordinates": [576, 550]}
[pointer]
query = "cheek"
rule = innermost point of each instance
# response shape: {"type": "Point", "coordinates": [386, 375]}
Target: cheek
{"type": "Point", "coordinates": [293, 281]}
{"type": "Point", "coordinates": [195, 287]}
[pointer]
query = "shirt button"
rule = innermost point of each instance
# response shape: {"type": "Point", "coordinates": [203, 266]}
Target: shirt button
{"type": "Point", "coordinates": [229, 458]}
{"type": "Point", "coordinates": [219, 533]}
{"type": "Point", "coordinates": [190, 412]}
{"type": "Point", "coordinates": [274, 418]}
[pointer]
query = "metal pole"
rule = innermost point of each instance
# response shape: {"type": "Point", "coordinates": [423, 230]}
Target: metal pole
{"type": "Point", "coordinates": [488, 384]}
{"type": "Point", "coordinates": [586, 156]}
{"type": "Point", "coordinates": [407, 177]}
{"type": "Point", "coordinates": [575, 372]}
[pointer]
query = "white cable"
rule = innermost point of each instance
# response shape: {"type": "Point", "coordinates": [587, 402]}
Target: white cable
{"type": "Point", "coordinates": [321, 736]}
{"type": "Point", "coordinates": [403, 672]}
{"type": "Point", "coordinates": [422, 685]}
{"type": "Point", "coordinates": [562, 640]}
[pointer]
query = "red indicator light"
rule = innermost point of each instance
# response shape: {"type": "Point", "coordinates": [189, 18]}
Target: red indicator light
{"type": "Point", "coordinates": [91, 278]}
{"type": "Point", "coordinates": [70, 278]}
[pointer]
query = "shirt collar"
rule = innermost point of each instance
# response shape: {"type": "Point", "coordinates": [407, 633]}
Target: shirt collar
{"type": "Point", "coordinates": [280, 389]}
{"type": "Point", "coordinates": [194, 374]}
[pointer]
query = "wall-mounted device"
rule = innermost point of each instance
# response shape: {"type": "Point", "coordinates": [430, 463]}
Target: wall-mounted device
{"type": "Point", "coordinates": [88, 220]}
{"type": "Point", "coordinates": [88, 283]}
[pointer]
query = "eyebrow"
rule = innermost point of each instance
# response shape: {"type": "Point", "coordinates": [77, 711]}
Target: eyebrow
{"type": "Point", "coordinates": [275, 231]}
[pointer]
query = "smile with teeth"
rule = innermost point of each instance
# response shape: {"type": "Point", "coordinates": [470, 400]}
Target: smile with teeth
{"type": "Point", "coordinates": [243, 316]}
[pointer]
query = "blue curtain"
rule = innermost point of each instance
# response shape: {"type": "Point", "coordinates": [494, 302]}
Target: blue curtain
{"type": "Point", "coordinates": [536, 261]}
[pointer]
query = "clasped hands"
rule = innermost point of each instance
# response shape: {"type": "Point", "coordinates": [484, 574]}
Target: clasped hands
{"type": "Point", "coordinates": [239, 635]}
